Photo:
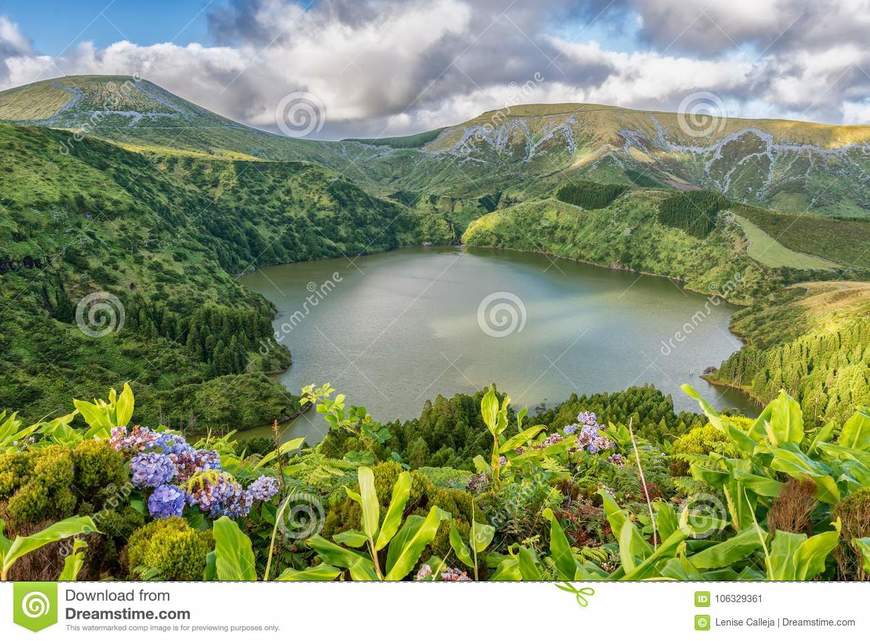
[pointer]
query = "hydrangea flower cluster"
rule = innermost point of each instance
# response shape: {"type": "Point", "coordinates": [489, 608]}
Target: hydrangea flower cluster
{"type": "Point", "coordinates": [478, 483]}
{"type": "Point", "coordinates": [588, 431]}
{"type": "Point", "coordinates": [182, 475]}
{"type": "Point", "coordinates": [454, 574]}
{"type": "Point", "coordinates": [616, 459]}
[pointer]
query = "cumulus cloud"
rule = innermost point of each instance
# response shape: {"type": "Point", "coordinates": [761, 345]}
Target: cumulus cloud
{"type": "Point", "coordinates": [385, 67]}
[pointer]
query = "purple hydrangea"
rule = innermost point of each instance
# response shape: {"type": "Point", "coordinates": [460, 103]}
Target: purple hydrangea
{"type": "Point", "coordinates": [455, 574]}
{"type": "Point", "coordinates": [263, 489]}
{"type": "Point", "coordinates": [189, 462]}
{"type": "Point", "coordinates": [478, 483]}
{"type": "Point", "coordinates": [136, 440]}
{"type": "Point", "coordinates": [151, 469]}
{"type": "Point", "coordinates": [167, 500]}
{"type": "Point", "coordinates": [616, 459]}
{"type": "Point", "coordinates": [218, 494]}
{"type": "Point", "coordinates": [587, 418]}
{"type": "Point", "coordinates": [424, 573]}
{"type": "Point", "coordinates": [551, 439]}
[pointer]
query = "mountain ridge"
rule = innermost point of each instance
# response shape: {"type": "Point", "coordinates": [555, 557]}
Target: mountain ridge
{"type": "Point", "coordinates": [504, 155]}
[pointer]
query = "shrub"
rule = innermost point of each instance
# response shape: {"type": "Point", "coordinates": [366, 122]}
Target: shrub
{"type": "Point", "coordinates": [696, 442]}
{"type": "Point", "coordinates": [792, 510]}
{"type": "Point", "coordinates": [43, 490]}
{"type": "Point", "coordinates": [854, 512]}
{"type": "Point", "coordinates": [169, 550]}
{"type": "Point", "coordinates": [97, 465]}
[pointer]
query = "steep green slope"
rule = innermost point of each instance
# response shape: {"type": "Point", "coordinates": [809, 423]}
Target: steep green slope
{"type": "Point", "coordinates": [814, 341]}
{"type": "Point", "coordinates": [165, 235]}
{"type": "Point", "coordinates": [512, 154]}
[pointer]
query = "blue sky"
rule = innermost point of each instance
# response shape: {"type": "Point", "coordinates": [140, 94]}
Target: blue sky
{"type": "Point", "coordinates": [387, 67]}
{"type": "Point", "coordinates": [54, 26]}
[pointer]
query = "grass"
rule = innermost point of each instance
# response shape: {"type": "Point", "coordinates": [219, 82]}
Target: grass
{"type": "Point", "coordinates": [766, 250]}
{"type": "Point", "coordinates": [842, 241]}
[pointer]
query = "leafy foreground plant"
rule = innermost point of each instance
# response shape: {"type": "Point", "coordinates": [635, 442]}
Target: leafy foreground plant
{"type": "Point", "coordinates": [12, 551]}
{"type": "Point", "coordinates": [403, 542]}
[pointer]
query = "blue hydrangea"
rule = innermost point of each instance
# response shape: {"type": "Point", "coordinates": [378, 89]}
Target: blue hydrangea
{"type": "Point", "coordinates": [151, 469]}
{"type": "Point", "coordinates": [263, 489]}
{"type": "Point", "coordinates": [219, 495]}
{"type": "Point", "coordinates": [167, 500]}
{"type": "Point", "coordinates": [171, 444]}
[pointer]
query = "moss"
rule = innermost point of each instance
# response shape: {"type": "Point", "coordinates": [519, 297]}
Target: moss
{"type": "Point", "coordinates": [169, 550]}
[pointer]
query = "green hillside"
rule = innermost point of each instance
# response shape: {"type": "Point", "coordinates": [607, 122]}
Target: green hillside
{"type": "Point", "coordinates": [166, 235]}
{"type": "Point", "coordinates": [515, 153]}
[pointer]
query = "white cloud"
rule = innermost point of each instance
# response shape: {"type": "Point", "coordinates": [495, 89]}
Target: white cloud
{"type": "Point", "coordinates": [385, 67]}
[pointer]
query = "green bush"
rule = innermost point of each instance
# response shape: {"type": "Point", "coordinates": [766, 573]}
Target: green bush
{"type": "Point", "coordinates": [43, 490]}
{"type": "Point", "coordinates": [699, 441]}
{"type": "Point", "coordinates": [168, 550]}
{"type": "Point", "coordinates": [97, 465]}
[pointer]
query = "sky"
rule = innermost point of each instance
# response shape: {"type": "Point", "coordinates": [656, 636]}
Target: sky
{"type": "Point", "coordinates": [390, 67]}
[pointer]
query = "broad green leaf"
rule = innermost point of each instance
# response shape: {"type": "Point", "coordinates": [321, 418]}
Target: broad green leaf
{"type": "Point", "coordinates": [666, 519]}
{"type": "Point", "coordinates": [507, 570]}
{"type": "Point", "coordinates": [234, 555]}
{"type": "Point", "coordinates": [856, 431]}
{"type": "Point", "coordinates": [480, 465]}
{"type": "Point", "coordinates": [73, 526]}
{"type": "Point", "coordinates": [321, 572]}
{"type": "Point", "coordinates": [792, 461]}
{"type": "Point", "coordinates": [284, 448]}
{"type": "Point", "coordinates": [710, 412]}
{"type": "Point", "coordinates": [210, 572]}
{"type": "Point", "coordinates": [518, 440]}
{"type": "Point", "coordinates": [809, 559]}
{"type": "Point", "coordinates": [560, 548]}
{"type": "Point", "coordinates": [334, 554]}
{"type": "Point", "coordinates": [666, 549]}
{"type": "Point", "coordinates": [351, 538]}
{"type": "Point", "coordinates": [481, 536]}
{"type": "Point", "coordinates": [74, 561]}
{"type": "Point", "coordinates": [411, 550]}
{"type": "Point", "coordinates": [124, 406]}
{"type": "Point", "coordinates": [822, 435]}
{"type": "Point", "coordinates": [786, 423]}
{"type": "Point", "coordinates": [489, 410]}
{"type": "Point", "coordinates": [783, 549]}
{"type": "Point", "coordinates": [725, 554]}
{"type": "Point", "coordinates": [459, 546]}
{"type": "Point", "coordinates": [863, 547]}
{"type": "Point", "coordinates": [528, 565]}
{"type": "Point", "coordinates": [614, 514]}
{"type": "Point", "coordinates": [371, 508]}
{"type": "Point", "coordinates": [393, 518]}
{"type": "Point", "coordinates": [406, 532]}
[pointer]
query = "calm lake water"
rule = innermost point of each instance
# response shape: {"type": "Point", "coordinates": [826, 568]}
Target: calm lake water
{"type": "Point", "coordinates": [395, 329]}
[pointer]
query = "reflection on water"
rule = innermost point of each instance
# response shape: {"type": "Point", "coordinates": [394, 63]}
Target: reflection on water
{"type": "Point", "coordinates": [395, 329]}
